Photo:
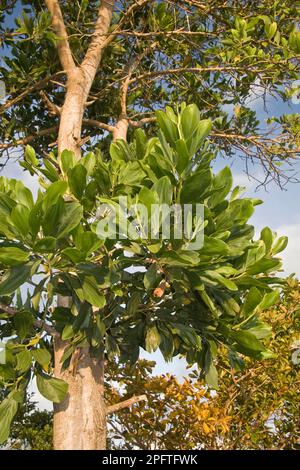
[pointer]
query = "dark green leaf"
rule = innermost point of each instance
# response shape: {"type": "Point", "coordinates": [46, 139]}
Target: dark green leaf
{"type": "Point", "coordinates": [51, 388]}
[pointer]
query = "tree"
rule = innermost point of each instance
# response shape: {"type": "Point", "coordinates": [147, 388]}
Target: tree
{"type": "Point", "coordinates": [32, 428]}
{"type": "Point", "coordinates": [60, 97]}
{"type": "Point", "coordinates": [255, 407]}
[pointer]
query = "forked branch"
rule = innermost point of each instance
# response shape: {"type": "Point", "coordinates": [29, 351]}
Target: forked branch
{"type": "Point", "coordinates": [58, 25]}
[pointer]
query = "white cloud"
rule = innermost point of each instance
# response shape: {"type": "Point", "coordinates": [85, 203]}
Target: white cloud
{"type": "Point", "coordinates": [291, 255]}
{"type": "Point", "coordinates": [13, 170]}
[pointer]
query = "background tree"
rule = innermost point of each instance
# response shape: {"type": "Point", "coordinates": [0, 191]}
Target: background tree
{"type": "Point", "coordinates": [255, 407]}
{"type": "Point", "coordinates": [32, 428]}
{"type": "Point", "coordinates": [54, 236]}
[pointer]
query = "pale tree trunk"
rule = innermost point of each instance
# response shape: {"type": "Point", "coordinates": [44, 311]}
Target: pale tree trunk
{"type": "Point", "coordinates": [120, 130]}
{"type": "Point", "coordinates": [80, 420]}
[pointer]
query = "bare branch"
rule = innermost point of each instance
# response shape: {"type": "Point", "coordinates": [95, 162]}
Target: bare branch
{"type": "Point", "coordinates": [98, 124]}
{"type": "Point", "coordinates": [131, 67]}
{"type": "Point", "coordinates": [180, 70]}
{"type": "Point", "coordinates": [54, 110]}
{"type": "Point", "coordinates": [125, 404]}
{"type": "Point", "coordinates": [29, 138]}
{"type": "Point", "coordinates": [37, 86]}
{"type": "Point", "coordinates": [38, 323]}
{"type": "Point", "coordinates": [141, 122]}
{"type": "Point", "coordinates": [150, 34]}
{"type": "Point", "coordinates": [58, 25]}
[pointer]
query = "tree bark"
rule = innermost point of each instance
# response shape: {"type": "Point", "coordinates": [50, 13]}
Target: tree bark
{"type": "Point", "coordinates": [69, 135]}
{"type": "Point", "coordinates": [120, 130]}
{"type": "Point", "coordinates": [80, 420]}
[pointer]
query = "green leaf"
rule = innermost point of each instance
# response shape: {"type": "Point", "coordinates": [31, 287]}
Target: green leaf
{"type": "Point", "coordinates": [24, 360]}
{"type": "Point", "coordinates": [204, 128]}
{"type": "Point", "coordinates": [23, 322]}
{"type": "Point", "coordinates": [211, 376]}
{"type": "Point", "coordinates": [42, 356]}
{"type": "Point", "coordinates": [133, 303]}
{"type": "Point", "coordinates": [196, 186]}
{"type": "Point", "coordinates": [12, 255]}
{"type": "Point", "coordinates": [247, 340]}
{"type": "Point", "coordinates": [271, 30]}
{"type": "Point", "coordinates": [150, 278]}
{"type": "Point", "coordinates": [89, 162]}
{"type": "Point", "coordinates": [189, 120]}
{"type": "Point", "coordinates": [91, 293]}
{"type": "Point", "coordinates": [30, 156]}
{"type": "Point", "coordinates": [164, 189]}
{"type": "Point", "coordinates": [112, 347]}
{"type": "Point", "coordinates": [77, 177]}
{"type": "Point", "coordinates": [183, 156]}
{"type": "Point", "coordinates": [14, 278]}
{"type": "Point", "coordinates": [20, 219]}
{"type": "Point", "coordinates": [24, 195]}
{"type": "Point", "coordinates": [131, 174]}
{"type": "Point", "coordinates": [45, 245]}
{"type": "Point", "coordinates": [67, 333]}
{"type": "Point", "coordinates": [180, 258]}
{"type": "Point", "coordinates": [51, 388]}
{"type": "Point", "coordinates": [8, 409]}
{"type": "Point", "coordinates": [148, 197]}
{"type": "Point", "coordinates": [68, 160]}
{"type": "Point", "coordinates": [279, 245]}
{"type": "Point", "coordinates": [74, 255]}
{"type": "Point", "coordinates": [87, 242]}
{"type": "Point", "coordinates": [294, 41]}
{"type": "Point", "coordinates": [221, 186]}
{"type": "Point", "coordinates": [69, 219]}
{"type": "Point", "coordinates": [214, 247]}
{"type": "Point", "coordinates": [264, 266]}
{"type": "Point", "coordinates": [215, 276]}
{"type": "Point", "coordinates": [168, 127]}
{"type": "Point", "coordinates": [252, 300]}
{"type": "Point", "coordinates": [55, 190]}
{"type": "Point", "coordinates": [152, 339]}
{"type": "Point", "coordinates": [267, 236]}
{"type": "Point", "coordinates": [260, 331]}
{"type": "Point", "coordinates": [269, 299]}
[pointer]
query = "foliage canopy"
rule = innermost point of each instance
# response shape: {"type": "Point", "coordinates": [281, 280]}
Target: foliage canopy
{"type": "Point", "coordinates": [179, 300]}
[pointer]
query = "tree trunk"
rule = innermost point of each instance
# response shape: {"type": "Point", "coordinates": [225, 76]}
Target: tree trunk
{"type": "Point", "coordinates": [120, 130]}
{"type": "Point", "coordinates": [80, 420]}
{"type": "Point", "coordinates": [69, 135]}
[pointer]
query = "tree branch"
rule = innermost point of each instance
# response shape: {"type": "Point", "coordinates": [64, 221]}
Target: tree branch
{"type": "Point", "coordinates": [131, 67]}
{"type": "Point", "coordinates": [141, 122]}
{"type": "Point", "coordinates": [38, 323]}
{"type": "Point", "coordinates": [58, 25]}
{"type": "Point", "coordinates": [98, 124]}
{"type": "Point", "coordinates": [180, 70]}
{"type": "Point", "coordinates": [125, 404]}
{"type": "Point", "coordinates": [37, 86]}
{"type": "Point", "coordinates": [29, 138]}
{"type": "Point", "coordinates": [92, 58]}
{"type": "Point", "coordinates": [54, 110]}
